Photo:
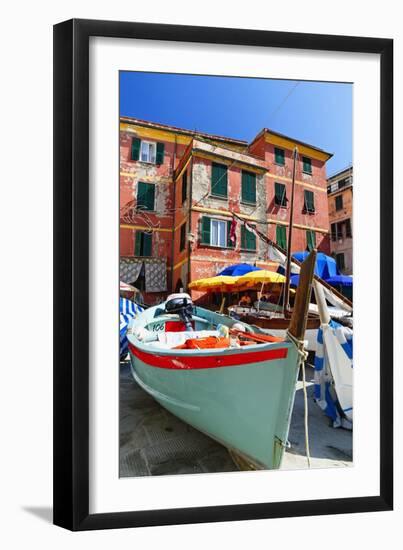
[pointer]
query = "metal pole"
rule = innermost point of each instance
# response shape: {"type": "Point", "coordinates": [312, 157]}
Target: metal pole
{"type": "Point", "coordinates": [286, 305]}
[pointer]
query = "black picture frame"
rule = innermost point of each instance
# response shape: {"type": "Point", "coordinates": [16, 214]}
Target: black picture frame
{"type": "Point", "coordinates": [71, 274]}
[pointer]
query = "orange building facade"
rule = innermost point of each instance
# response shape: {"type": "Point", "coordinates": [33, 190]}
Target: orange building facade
{"type": "Point", "coordinates": [178, 190]}
{"type": "Point", "coordinates": [340, 199]}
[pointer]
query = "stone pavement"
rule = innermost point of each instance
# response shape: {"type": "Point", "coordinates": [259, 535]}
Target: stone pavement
{"type": "Point", "coordinates": [154, 442]}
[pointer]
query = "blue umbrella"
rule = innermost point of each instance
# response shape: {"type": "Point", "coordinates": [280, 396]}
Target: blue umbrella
{"type": "Point", "coordinates": [325, 266]}
{"type": "Point", "coordinates": [343, 280]}
{"type": "Point", "coordinates": [238, 270]}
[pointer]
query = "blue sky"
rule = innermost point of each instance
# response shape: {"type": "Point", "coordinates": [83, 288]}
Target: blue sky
{"type": "Point", "coordinates": [319, 113]}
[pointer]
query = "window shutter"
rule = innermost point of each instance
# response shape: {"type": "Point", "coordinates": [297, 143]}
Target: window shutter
{"type": "Point", "coordinates": [205, 230]}
{"type": "Point", "coordinates": [339, 202]}
{"type": "Point", "coordinates": [306, 165]}
{"type": "Point", "coordinates": [160, 153]}
{"type": "Point", "coordinates": [280, 194]}
{"type": "Point", "coordinates": [310, 240]}
{"type": "Point", "coordinates": [281, 236]}
{"type": "Point", "coordinates": [309, 201]}
{"type": "Point", "coordinates": [248, 239]}
{"type": "Point", "coordinates": [219, 180]}
{"type": "Point", "coordinates": [137, 244]}
{"type": "Point", "coordinates": [145, 195]}
{"type": "Point", "coordinates": [279, 156]}
{"type": "Point", "coordinates": [150, 197]}
{"type": "Point", "coordinates": [248, 193]}
{"type": "Point", "coordinates": [184, 186]}
{"type": "Point", "coordinates": [141, 194]}
{"type": "Point", "coordinates": [348, 228]}
{"type": "Point", "coordinates": [251, 240]}
{"type": "Point", "coordinates": [136, 142]}
{"type": "Point", "coordinates": [147, 244]}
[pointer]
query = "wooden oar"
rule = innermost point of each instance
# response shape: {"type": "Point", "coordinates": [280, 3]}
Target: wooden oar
{"type": "Point", "coordinates": [255, 337]}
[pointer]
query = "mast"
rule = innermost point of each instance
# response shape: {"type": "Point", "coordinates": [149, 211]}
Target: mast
{"type": "Point", "coordinates": [286, 302]}
{"type": "Point", "coordinates": [302, 298]}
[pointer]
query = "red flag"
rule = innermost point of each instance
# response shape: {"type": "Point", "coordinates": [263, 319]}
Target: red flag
{"type": "Point", "coordinates": [232, 231]}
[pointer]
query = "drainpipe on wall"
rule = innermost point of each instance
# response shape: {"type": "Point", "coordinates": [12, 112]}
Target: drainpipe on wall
{"type": "Point", "coordinates": [190, 218]}
{"type": "Point", "coordinates": [174, 217]}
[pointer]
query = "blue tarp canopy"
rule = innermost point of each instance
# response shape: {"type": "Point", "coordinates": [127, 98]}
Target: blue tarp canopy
{"type": "Point", "coordinates": [325, 266]}
{"type": "Point", "coordinates": [238, 270]}
{"type": "Point", "coordinates": [343, 280]}
{"type": "Point", "coordinates": [294, 280]}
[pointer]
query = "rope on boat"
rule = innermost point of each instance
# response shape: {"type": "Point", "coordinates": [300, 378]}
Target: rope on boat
{"type": "Point", "coordinates": [303, 355]}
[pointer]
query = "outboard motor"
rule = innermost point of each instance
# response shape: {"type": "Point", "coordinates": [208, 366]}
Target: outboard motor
{"type": "Point", "coordinates": [182, 305]}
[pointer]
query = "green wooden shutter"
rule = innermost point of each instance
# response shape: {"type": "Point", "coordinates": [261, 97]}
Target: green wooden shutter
{"type": "Point", "coordinates": [280, 194]}
{"type": "Point", "coordinates": [248, 193]}
{"type": "Point", "coordinates": [136, 142]}
{"type": "Point", "coordinates": [205, 230]}
{"type": "Point", "coordinates": [281, 236]}
{"type": "Point", "coordinates": [310, 240]}
{"type": "Point", "coordinates": [348, 229]}
{"type": "Point", "coordinates": [309, 201]}
{"type": "Point", "coordinates": [248, 239]}
{"type": "Point", "coordinates": [279, 156]}
{"type": "Point", "coordinates": [306, 165]}
{"type": "Point", "coordinates": [150, 197]}
{"type": "Point", "coordinates": [145, 195]}
{"type": "Point", "coordinates": [137, 244]}
{"type": "Point", "coordinates": [339, 202]}
{"type": "Point", "coordinates": [160, 153]}
{"type": "Point", "coordinates": [184, 186]}
{"type": "Point", "coordinates": [147, 244]}
{"type": "Point", "coordinates": [219, 177]}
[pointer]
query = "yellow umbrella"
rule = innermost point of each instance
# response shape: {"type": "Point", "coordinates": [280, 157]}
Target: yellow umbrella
{"type": "Point", "coordinates": [261, 276]}
{"type": "Point", "coordinates": [223, 283]}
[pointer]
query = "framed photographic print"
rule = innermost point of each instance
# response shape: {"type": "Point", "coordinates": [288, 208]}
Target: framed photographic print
{"type": "Point", "coordinates": [222, 200]}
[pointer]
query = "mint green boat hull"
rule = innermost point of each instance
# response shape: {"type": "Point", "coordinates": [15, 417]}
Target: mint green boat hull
{"type": "Point", "coordinates": [241, 397]}
{"type": "Point", "coordinates": [247, 408]}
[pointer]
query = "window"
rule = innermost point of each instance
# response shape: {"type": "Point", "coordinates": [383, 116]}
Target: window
{"type": "Point", "coordinates": [333, 230]}
{"type": "Point", "coordinates": [248, 239]}
{"type": "Point", "coordinates": [219, 180]}
{"type": "Point", "coordinates": [147, 151]}
{"type": "Point", "coordinates": [218, 233]}
{"type": "Point", "coordinates": [309, 201]}
{"type": "Point", "coordinates": [306, 165]}
{"type": "Point", "coordinates": [281, 236]}
{"type": "Point", "coordinates": [310, 240]}
{"type": "Point", "coordinates": [339, 231]}
{"type": "Point", "coordinates": [143, 244]}
{"type": "Point", "coordinates": [349, 233]}
{"type": "Point", "coordinates": [280, 197]}
{"type": "Point", "coordinates": [145, 196]}
{"type": "Point", "coordinates": [215, 232]}
{"type": "Point", "coordinates": [184, 186]}
{"type": "Point", "coordinates": [340, 261]}
{"type": "Point", "coordinates": [182, 243]}
{"type": "Point", "coordinates": [279, 157]}
{"type": "Point", "coordinates": [338, 201]}
{"type": "Point", "coordinates": [248, 193]}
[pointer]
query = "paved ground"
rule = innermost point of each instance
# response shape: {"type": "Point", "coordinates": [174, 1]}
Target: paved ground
{"type": "Point", "coordinates": [154, 442]}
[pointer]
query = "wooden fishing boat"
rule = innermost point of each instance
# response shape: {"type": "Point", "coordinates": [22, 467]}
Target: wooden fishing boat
{"type": "Point", "coordinates": [239, 389]}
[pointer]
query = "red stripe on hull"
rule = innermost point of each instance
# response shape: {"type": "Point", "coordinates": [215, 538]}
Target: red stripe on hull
{"type": "Point", "coordinates": [189, 362]}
